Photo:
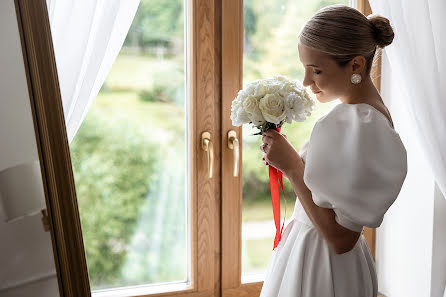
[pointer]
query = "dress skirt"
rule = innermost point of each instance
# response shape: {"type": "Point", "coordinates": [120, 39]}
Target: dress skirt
{"type": "Point", "coordinates": [304, 265]}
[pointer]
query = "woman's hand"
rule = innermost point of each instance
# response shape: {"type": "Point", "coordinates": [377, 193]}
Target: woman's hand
{"type": "Point", "coordinates": [279, 153]}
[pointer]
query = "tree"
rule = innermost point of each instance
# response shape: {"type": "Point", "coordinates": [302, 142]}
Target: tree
{"type": "Point", "coordinates": [157, 24]}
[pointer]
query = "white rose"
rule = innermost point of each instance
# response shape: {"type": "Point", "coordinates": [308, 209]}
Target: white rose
{"type": "Point", "coordinates": [280, 77]}
{"type": "Point", "coordinates": [298, 85]}
{"type": "Point", "coordinates": [238, 115]}
{"type": "Point", "coordinates": [251, 107]}
{"type": "Point", "coordinates": [272, 107]}
{"type": "Point", "coordinates": [259, 91]}
{"type": "Point", "coordinates": [274, 100]}
{"type": "Point", "coordinates": [251, 88]}
{"type": "Point", "coordinates": [294, 107]}
{"type": "Point", "coordinates": [272, 87]}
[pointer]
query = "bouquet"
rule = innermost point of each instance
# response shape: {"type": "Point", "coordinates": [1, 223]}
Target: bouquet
{"type": "Point", "coordinates": [268, 104]}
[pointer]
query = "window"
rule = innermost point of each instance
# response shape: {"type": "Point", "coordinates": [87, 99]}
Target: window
{"type": "Point", "coordinates": [153, 220]}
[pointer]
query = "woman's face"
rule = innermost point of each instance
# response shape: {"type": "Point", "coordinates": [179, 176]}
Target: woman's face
{"type": "Point", "coordinates": [324, 77]}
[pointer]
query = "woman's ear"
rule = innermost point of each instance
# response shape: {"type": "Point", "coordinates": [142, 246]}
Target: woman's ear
{"type": "Point", "coordinates": [357, 64]}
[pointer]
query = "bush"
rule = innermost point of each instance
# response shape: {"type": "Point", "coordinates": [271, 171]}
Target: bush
{"type": "Point", "coordinates": [120, 176]}
{"type": "Point", "coordinates": [158, 94]}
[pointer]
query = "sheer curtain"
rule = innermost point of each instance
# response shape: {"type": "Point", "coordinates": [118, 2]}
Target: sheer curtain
{"type": "Point", "coordinates": [417, 58]}
{"type": "Point", "coordinates": [87, 37]}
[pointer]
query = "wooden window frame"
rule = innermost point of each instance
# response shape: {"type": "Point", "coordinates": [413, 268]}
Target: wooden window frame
{"type": "Point", "coordinates": [364, 7]}
{"type": "Point", "coordinates": [55, 159]}
{"type": "Point", "coordinates": [53, 149]}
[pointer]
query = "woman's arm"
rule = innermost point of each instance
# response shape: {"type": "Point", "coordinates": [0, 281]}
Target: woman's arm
{"type": "Point", "coordinates": [340, 238]}
{"type": "Point", "coordinates": [282, 155]}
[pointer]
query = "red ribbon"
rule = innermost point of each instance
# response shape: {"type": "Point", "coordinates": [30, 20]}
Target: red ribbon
{"type": "Point", "coordinates": [275, 176]}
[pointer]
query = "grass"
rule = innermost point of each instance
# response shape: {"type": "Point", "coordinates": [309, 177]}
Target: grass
{"type": "Point", "coordinates": [257, 255]}
{"type": "Point", "coordinates": [130, 72]}
{"type": "Point", "coordinates": [263, 210]}
{"type": "Point", "coordinates": [129, 104]}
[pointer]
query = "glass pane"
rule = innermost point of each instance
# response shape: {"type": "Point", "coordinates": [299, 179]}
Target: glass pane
{"type": "Point", "coordinates": [270, 47]}
{"type": "Point", "coordinates": [130, 158]}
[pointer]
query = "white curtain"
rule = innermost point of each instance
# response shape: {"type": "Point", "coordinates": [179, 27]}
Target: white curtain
{"type": "Point", "coordinates": [417, 57]}
{"type": "Point", "coordinates": [87, 37]}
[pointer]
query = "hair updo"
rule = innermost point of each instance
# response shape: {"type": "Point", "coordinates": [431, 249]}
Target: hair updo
{"type": "Point", "coordinates": [343, 33]}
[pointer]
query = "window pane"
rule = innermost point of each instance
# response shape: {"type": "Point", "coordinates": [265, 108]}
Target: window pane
{"type": "Point", "coordinates": [270, 47]}
{"type": "Point", "coordinates": [130, 158]}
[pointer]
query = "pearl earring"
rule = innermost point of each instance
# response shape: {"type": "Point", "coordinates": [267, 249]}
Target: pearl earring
{"type": "Point", "coordinates": [356, 78]}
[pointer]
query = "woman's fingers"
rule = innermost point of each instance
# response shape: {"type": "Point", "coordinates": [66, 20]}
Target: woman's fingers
{"type": "Point", "coordinates": [267, 140]}
{"type": "Point", "coordinates": [263, 147]}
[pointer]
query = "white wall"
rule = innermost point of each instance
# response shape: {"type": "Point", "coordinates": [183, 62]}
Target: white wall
{"type": "Point", "coordinates": [26, 251]}
{"type": "Point", "coordinates": [438, 283]}
{"type": "Point", "coordinates": [410, 244]}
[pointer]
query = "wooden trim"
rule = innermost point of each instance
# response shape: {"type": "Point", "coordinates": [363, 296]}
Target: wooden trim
{"type": "Point", "coordinates": [184, 293]}
{"type": "Point", "coordinates": [364, 7]}
{"type": "Point", "coordinates": [194, 138]}
{"type": "Point", "coordinates": [53, 149]}
{"type": "Point", "coordinates": [37, 137]}
{"type": "Point", "coordinates": [232, 78]}
{"type": "Point", "coordinates": [251, 289]}
{"type": "Point", "coordinates": [206, 113]}
{"type": "Point", "coordinates": [217, 122]}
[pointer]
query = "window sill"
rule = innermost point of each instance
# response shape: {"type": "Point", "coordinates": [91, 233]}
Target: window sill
{"type": "Point", "coordinates": [144, 290]}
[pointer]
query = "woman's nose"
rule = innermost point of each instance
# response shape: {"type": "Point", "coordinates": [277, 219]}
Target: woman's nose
{"type": "Point", "coordinates": [307, 81]}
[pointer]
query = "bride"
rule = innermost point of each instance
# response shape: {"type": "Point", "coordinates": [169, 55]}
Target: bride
{"type": "Point", "coordinates": [347, 174]}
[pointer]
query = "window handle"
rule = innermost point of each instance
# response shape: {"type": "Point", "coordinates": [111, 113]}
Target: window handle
{"type": "Point", "coordinates": [206, 145]}
{"type": "Point", "coordinates": [234, 145]}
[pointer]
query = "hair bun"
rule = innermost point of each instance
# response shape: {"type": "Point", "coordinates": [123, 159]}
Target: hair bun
{"type": "Point", "coordinates": [383, 30]}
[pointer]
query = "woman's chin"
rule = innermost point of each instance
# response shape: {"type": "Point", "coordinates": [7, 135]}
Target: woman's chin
{"type": "Point", "coordinates": [319, 96]}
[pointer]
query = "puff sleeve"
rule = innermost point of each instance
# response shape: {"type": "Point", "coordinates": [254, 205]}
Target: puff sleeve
{"type": "Point", "coordinates": [355, 164]}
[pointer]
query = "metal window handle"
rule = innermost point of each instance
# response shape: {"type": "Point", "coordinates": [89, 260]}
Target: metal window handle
{"type": "Point", "coordinates": [206, 145]}
{"type": "Point", "coordinates": [234, 145]}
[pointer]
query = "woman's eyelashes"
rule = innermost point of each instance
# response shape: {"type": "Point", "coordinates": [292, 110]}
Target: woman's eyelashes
{"type": "Point", "coordinates": [317, 72]}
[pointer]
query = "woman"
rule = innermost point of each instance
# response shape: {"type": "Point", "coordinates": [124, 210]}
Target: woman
{"type": "Point", "coordinates": [347, 174]}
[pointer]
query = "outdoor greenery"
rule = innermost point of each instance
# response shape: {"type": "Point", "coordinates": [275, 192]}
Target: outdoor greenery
{"type": "Point", "coordinates": [129, 154]}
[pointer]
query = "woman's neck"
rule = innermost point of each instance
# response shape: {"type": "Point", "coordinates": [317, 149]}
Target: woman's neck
{"type": "Point", "coordinates": [365, 92]}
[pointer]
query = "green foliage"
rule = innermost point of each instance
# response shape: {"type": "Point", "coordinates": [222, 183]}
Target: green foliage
{"type": "Point", "coordinates": [112, 171]}
{"type": "Point", "coordinates": [271, 33]}
{"type": "Point", "coordinates": [122, 178]}
{"type": "Point", "coordinates": [157, 23]}
{"type": "Point", "coordinates": [165, 88]}
{"type": "Point", "coordinates": [249, 18]}
{"type": "Point", "coordinates": [156, 94]}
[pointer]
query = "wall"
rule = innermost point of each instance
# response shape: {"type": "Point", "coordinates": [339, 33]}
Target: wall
{"type": "Point", "coordinates": [27, 264]}
{"type": "Point", "coordinates": [438, 283]}
{"type": "Point", "coordinates": [410, 244]}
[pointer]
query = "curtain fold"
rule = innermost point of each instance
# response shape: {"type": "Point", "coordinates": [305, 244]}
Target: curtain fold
{"type": "Point", "coordinates": [87, 37]}
{"type": "Point", "coordinates": [417, 57]}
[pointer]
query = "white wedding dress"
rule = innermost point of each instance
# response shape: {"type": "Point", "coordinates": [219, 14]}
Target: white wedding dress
{"type": "Point", "coordinates": [355, 164]}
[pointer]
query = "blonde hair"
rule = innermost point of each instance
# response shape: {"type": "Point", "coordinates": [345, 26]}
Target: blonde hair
{"type": "Point", "coordinates": [343, 33]}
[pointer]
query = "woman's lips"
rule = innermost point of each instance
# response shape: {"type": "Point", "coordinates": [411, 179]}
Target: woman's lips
{"type": "Point", "coordinates": [315, 92]}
